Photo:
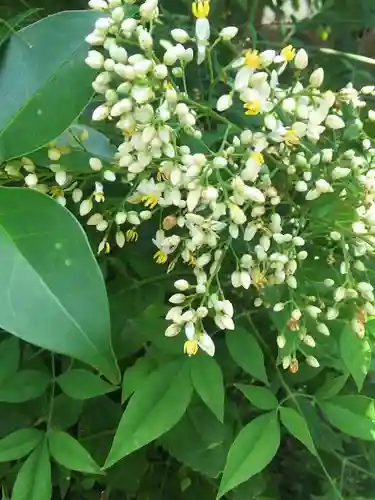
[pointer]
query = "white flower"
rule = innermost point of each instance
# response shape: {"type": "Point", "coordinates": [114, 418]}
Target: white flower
{"type": "Point", "coordinates": [85, 207]}
{"type": "Point", "coordinates": [94, 59]}
{"type": "Point", "coordinates": [177, 298]}
{"type": "Point", "coordinates": [181, 285]}
{"type": "Point", "coordinates": [237, 215]}
{"type": "Point", "coordinates": [100, 113]}
{"type": "Point", "coordinates": [145, 40]}
{"type": "Point", "coordinates": [61, 177]}
{"type": "Point", "coordinates": [31, 180]}
{"type": "Point", "coordinates": [228, 32]}
{"type": "Point", "coordinates": [301, 60]}
{"type": "Point", "coordinates": [224, 102]}
{"type": "Point", "coordinates": [202, 34]}
{"type": "Point", "coordinates": [206, 343]}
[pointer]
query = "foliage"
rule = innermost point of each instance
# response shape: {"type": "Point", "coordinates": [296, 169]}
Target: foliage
{"type": "Point", "coordinates": [187, 235]}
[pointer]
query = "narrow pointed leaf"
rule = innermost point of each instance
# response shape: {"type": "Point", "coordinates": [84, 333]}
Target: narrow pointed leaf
{"type": "Point", "coordinates": [356, 354]}
{"type": "Point", "coordinates": [48, 267]}
{"type": "Point", "coordinates": [82, 384]}
{"type": "Point", "coordinates": [261, 397]}
{"type": "Point", "coordinates": [45, 85]}
{"type": "Point", "coordinates": [24, 385]}
{"type": "Point", "coordinates": [68, 452]}
{"type": "Point", "coordinates": [246, 352]}
{"type": "Point", "coordinates": [19, 443]}
{"type": "Point", "coordinates": [208, 381]}
{"type": "Point", "coordinates": [33, 481]}
{"type": "Point", "coordinates": [253, 449]}
{"type": "Point", "coordinates": [297, 426]}
{"type": "Point", "coordinates": [156, 406]}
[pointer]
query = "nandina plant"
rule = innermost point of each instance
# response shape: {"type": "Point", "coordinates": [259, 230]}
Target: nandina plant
{"type": "Point", "coordinates": [187, 288]}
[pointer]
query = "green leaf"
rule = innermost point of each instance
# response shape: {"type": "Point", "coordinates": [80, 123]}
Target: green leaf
{"type": "Point", "coordinates": [208, 381]}
{"type": "Point", "coordinates": [356, 354]}
{"type": "Point", "coordinates": [157, 405]}
{"type": "Point", "coordinates": [331, 387]}
{"type": "Point", "coordinates": [66, 411]}
{"type": "Point", "coordinates": [68, 452]}
{"type": "Point", "coordinates": [135, 375]}
{"type": "Point", "coordinates": [82, 384]}
{"type": "Point", "coordinates": [10, 358]}
{"type": "Point", "coordinates": [41, 104]}
{"type": "Point", "coordinates": [23, 386]}
{"type": "Point", "coordinates": [48, 263]}
{"type": "Point", "coordinates": [33, 481]}
{"type": "Point", "coordinates": [297, 426]}
{"type": "Point", "coordinates": [253, 449]}
{"type": "Point", "coordinates": [354, 415]}
{"type": "Point", "coordinates": [261, 397]}
{"type": "Point", "coordinates": [246, 352]}
{"type": "Point", "coordinates": [19, 443]}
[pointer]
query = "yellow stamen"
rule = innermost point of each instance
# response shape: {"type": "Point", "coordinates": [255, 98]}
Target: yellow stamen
{"type": "Point", "coordinates": [291, 138]}
{"type": "Point", "coordinates": [107, 247]}
{"type": "Point", "coordinates": [252, 59]}
{"type": "Point", "coordinates": [149, 200]}
{"type": "Point", "coordinates": [84, 135]}
{"type": "Point", "coordinates": [160, 257]}
{"type": "Point", "coordinates": [192, 260]}
{"type": "Point", "coordinates": [259, 280]}
{"type": "Point", "coordinates": [288, 53]}
{"type": "Point", "coordinates": [56, 191]}
{"type": "Point", "coordinates": [258, 157]}
{"type": "Point", "coordinates": [252, 107]}
{"type": "Point", "coordinates": [191, 347]}
{"type": "Point", "coordinates": [167, 85]}
{"type": "Point", "coordinates": [131, 235]}
{"type": "Point", "coordinates": [99, 196]}
{"type": "Point", "coordinates": [201, 9]}
{"type": "Point", "coordinates": [161, 176]}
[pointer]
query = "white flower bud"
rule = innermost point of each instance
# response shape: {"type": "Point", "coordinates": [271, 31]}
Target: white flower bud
{"type": "Point", "coordinates": [145, 40]}
{"type": "Point", "coordinates": [228, 32]}
{"type": "Point", "coordinates": [313, 362]}
{"type": "Point", "coordinates": [177, 298]}
{"type": "Point", "coordinates": [100, 113]}
{"type": "Point", "coordinates": [172, 330]}
{"type": "Point", "coordinates": [85, 207]}
{"type": "Point", "coordinates": [181, 285]}
{"type": "Point", "coordinates": [98, 5]}
{"type": "Point", "coordinates": [224, 102]}
{"type": "Point", "coordinates": [317, 77]}
{"type": "Point", "coordinates": [309, 341]}
{"type": "Point", "coordinates": [334, 122]}
{"type": "Point", "coordinates": [281, 341]}
{"type": "Point", "coordinates": [120, 239]}
{"type": "Point", "coordinates": [371, 115]}
{"type": "Point", "coordinates": [109, 176]}
{"type": "Point", "coordinates": [313, 311]}
{"type": "Point", "coordinates": [31, 180]}
{"type": "Point", "coordinates": [323, 329]}
{"type": "Point", "coordinates": [160, 71]}
{"type": "Point", "coordinates": [180, 35]}
{"type": "Point", "coordinates": [301, 60]}
{"type": "Point", "coordinates": [61, 178]}
{"type": "Point", "coordinates": [118, 14]}
{"type": "Point", "coordinates": [77, 195]}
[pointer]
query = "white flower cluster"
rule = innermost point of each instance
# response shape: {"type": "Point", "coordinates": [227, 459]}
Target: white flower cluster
{"type": "Point", "coordinates": [265, 200]}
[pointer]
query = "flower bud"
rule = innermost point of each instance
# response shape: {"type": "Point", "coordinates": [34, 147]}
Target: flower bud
{"type": "Point", "coordinates": [224, 102]}
{"type": "Point", "coordinates": [228, 32]}
{"type": "Point", "coordinates": [313, 362]}
{"type": "Point", "coordinates": [317, 77]}
{"type": "Point", "coordinates": [334, 122]}
{"type": "Point", "coordinates": [301, 60]}
{"type": "Point", "coordinates": [180, 35]}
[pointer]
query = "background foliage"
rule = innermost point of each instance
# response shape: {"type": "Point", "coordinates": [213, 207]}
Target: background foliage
{"type": "Point", "coordinates": [60, 421]}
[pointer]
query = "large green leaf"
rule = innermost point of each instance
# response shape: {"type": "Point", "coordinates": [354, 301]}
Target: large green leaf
{"type": "Point", "coordinates": [52, 292]}
{"type": "Point", "coordinates": [253, 449]}
{"type": "Point", "coordinates": [297, 426]}
{"type": "Point", "coordinates": [157, 405]}
{"type": "Point", "coordinates": [82, 384]}
{"type": "Point", "coordinates": [23, 386]}
{"type": "Point", "coordinates": [68, 452]}
{"type": "Point", "coordinates": [19, 443]}
{"type": "Point", "coordinates": [208, 381]}
{"type": "Point", "coordinates": [135, 375]}
{"type": "Point", "coordinates": [246, 352]}
{"type": "Point", "coordinates": [44, 86]}
{"type": "Point", "coordinates": [34, 478]}
{"type": "Point", "coordinates": [356, 354]}
{"type": "Point", "coordinates": [354, 415]}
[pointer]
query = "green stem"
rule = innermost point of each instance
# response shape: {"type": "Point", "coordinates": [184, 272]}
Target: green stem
{"type": "Point", "coordinates": [52, 397]}
{"type": "Point", "coordinates": [210, 112]}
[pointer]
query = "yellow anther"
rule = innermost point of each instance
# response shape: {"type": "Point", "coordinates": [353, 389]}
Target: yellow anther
{"type": "Point", "coordinates": [56, 191]}
{"type": "Point", "coordinates": [149, 200]}
{"type": "Point", "coordinates": [252, 59]}
{"type": "Point", "coordinates": [258, 157]}
{"type": "Point", "coordinates": [160, 257]}
{"type": "Point", "coordinates": [192, 260]}
{"type": "Point", "coordinates": [288, 53]}
{"type": "Point", "coordinates": [107, 248]}
{"type": "Point", "coordinates": [191, 347]}
{"type": "Point", "coordinates": [252, 107]}
{"type": "Point", "coordinates": [291, 138]}
{"type": "Point", "coordinates": [99, 196]}
{"type": "Point", "coordinates": [201, 9]}
{"type": "Point", "coordinates": [131, 235]}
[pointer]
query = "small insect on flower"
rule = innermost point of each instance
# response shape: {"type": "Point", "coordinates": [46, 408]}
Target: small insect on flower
{"type": "Point", "coordinates": [98, 192]}
{"type": "Point", "coordinates": [190, 347]}
{"type": "Point", "coordinates": [131, 235]}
